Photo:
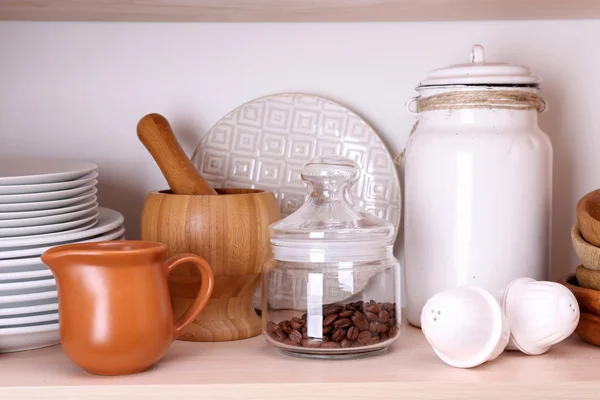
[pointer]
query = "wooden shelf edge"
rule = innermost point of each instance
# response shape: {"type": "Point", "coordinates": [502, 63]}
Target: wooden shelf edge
{"type": "Point", "coordinates": [295, 10]}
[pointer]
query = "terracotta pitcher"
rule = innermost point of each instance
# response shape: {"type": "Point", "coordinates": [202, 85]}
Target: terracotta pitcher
{"type": "Point", "coordinates": [114, 306]}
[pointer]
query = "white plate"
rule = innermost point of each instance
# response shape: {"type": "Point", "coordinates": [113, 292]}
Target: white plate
{"type": "Point", "coordinates": [9, 243]}
{"type": "Point", "coordinates": [25, 275]}
{"type": "Point", "coordinates": [50, 219]}
{"type": "Point", "coordinates": [50, 211]}
{"type": "Point", "coordinates": [29, 337]}
{"type": "Point", "coordinates": [48, 187]}
{"type": "Point", "coordinates": [264, 143]}
{"type": "Point", "coordinates": [24, 264]}
{"type": "Point", "coordinates": [14, 301]}
{"type": "Point", "coordinates": [32, 308]}
{"type": "Point", "coordinates": [25, 287]}
{"type": "Point", "coordinates": [28, 319]}
{"type": "Point", "coordinates": [46, 196]}
{"type": "Point", "coordinates": [37, 231]}
{"type": "Point", "coordinates": [29, 171]}
{"type": "Point", "coordinates": [43, 205]}
{"type": "Point", "coordinates": [36, 251]}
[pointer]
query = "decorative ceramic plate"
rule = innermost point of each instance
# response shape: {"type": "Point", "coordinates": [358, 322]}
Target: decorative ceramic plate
{"type": "Point", "coordinates": [31, 171]}
{"type": "Point", "coordinates": [48, 187]}
{"type": "Point", "coordinates": [263, 144]}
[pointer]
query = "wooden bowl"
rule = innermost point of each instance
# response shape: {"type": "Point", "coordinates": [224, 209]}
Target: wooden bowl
{"type": "Point", "coordinates": [588, 328]}
{"type": "Point", "coordinates": [588, 217]}
{"type": "Point", "coordinates": [230, 231]}
{"type": "Point", "coordinates": [588, 255]}
{"type": "Point", "coordinates": [588, 278]}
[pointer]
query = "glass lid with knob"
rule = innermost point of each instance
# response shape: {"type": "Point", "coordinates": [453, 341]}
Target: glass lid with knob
{"type": "Point", "coordinates": [329, 226]}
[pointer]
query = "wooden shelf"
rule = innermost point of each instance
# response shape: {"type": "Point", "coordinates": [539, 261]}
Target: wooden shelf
{"type": "Point", "coordinates": [251, 369]}
{"type": "Point", "coordinates": [295, 10]}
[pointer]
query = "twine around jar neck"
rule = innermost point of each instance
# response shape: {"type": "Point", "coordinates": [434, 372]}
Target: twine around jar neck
{"type": "Point", "coordinates": [479, 99]}
{"type": "Point", "coordinates": [491, 99]}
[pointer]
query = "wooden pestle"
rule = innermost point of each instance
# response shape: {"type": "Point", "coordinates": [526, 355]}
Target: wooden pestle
{"type": "Point", "coordinates": [155, 132]}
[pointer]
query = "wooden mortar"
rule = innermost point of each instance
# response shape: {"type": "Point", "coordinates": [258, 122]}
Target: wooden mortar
{"type": "Point", "coordinates": [230, 231]}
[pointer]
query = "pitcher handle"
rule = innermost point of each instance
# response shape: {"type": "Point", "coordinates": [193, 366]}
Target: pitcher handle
{"type": "Point", "coordinates": [206, 288]}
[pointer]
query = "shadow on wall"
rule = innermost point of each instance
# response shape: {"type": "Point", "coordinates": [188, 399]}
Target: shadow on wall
{"type": "Point", "coordinates": [563, 207]}
{"type": "Point", "coordinates": [125, 200]}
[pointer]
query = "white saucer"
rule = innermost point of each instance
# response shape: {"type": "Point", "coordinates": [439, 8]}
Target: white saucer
{"type": "Point", "coordinates": [50, 219]}
{"type": "Point", "coordinates": [46, 196]}
{"type": "Point", "coordinates": [25, 287]}
{"type": "Point", "coordinates": [32, 308]}
{"type": "Point", "coordinates": [48, 187]}
{"type": "Point", "coordinates": [44, 229]}
{"type": "Point", "coordinates": [29, 171]}
{"type": "Point", "coordinates": [84, 204]}
{"type": "Point", "coordinates": [25, 275]}
{"type": "Point", "coordinates": [9, 243]}
{"type": "Point", "coordinates": [28, 319]}
{"type": "Point", "coordinates": [29, 337]}
{"type": "Point", "coordinates": [42, 205]}
{"type": "Point", "coordinates": [36, 251]}
{"type": "Point", "coordinates": [13, 301]}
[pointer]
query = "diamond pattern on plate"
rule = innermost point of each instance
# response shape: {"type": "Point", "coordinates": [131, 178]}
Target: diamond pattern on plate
{"type": "Point", "coordinates": [264, 143]}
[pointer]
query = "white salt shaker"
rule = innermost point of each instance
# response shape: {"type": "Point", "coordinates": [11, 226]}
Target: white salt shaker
{"type": "Point", "coordinates": [478, 181]}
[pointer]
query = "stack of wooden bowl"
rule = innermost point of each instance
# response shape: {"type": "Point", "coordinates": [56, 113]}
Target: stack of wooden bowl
{"type": "Point", "coordinates": [585, 283]}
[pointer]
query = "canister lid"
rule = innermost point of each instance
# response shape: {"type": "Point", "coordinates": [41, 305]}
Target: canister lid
{"type": "Point", "coordinates": [329, 223]}
{"type": "Point", "coordinates": [479, 72]}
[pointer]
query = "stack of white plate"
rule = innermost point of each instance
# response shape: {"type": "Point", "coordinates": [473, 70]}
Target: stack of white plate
{"type": "Point", "coordinates": [43, 203]}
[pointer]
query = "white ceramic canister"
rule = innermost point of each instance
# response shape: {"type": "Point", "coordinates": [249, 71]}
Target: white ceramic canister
{"type": "Point", "coordinates": [478, 181]}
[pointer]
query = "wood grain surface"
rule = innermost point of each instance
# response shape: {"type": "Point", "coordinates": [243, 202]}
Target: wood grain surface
{"type": "Point", "coordinates": [253, 370]}
{"type": "Point", "coordinates": [296, 10]}
{"type": "Point", "coordinates": [155, 132]}
{"type": "Point", "coordinates": [588, 217]}
{"type": "Point", "coordinates": [230, 231]}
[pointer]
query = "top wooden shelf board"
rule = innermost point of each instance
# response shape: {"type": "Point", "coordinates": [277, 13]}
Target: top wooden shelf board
{"type": "Point", "coordinates": [295, 10]}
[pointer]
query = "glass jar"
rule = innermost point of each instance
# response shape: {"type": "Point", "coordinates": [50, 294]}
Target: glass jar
{"type": "Point", "coordinates": [478, 182]}
{"type": "Point", "coordinates": [333, 287]}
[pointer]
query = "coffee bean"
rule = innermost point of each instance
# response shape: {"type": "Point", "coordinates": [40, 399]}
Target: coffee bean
{"type": "Point", "coordinates": [295, 336]}
{"type": "Point", "coordinates": [331, 345]}
{"type": "Point", "coordinates": [373, 340]}
{"type": "Point", "coordinates": [342, 323]}
{"type": "Point", "coordinates": [332, 309]}
{"type": "Point", "coordinates": [383, 328]}
{"type": "Point", "coordinates": [352, 333]}
{"type": "Point", "coordinates": [372, 308]}
{"type": "Point", "coordinates": [304, 334]}
{"type": "Point", "coordinates": [384, 336]}
{"type": "Point", "coordinates": [290, 342]}
{"type": "Point", "coordinates": [327, 330]}
{"type": "Point", "coordinates": [384, 316]}
{"type": "Point", "coordinates": [374, 327]}
{"type": "Point", "coordinates": [296, 323]}
{"type": "Point", "coordinates": [347, 343]}
{"type": "Point", "coordinates": [328, 320]}
{"type": "Point", "coordinates": [279, 332]}
{"type": "Point", "coordinates": [364, 338]}
{"type": "Point", "coordinates": [371, 316]}
{"type": "Point", "coordinates": [358, 305]}
{"type": "Point", "coordinates": [275, 337]}
{"type": "Point", "coordinates": [285, 327]}
{"type": "Point", "coordinates": [313, 344]}
{"type": "Point", "coordinates": [349, 306]}
{"type": "Point", "coordinates": [391, 322]}
{"type": "Point", "coordinates": [325, 339]}
{"type": "Point", "coordinates": [346, 313]}
{"type": "Point", "coordinates": [303, 317]}
{"type": "Point", "coordinates": [338, 335]}
{"type": "Point", "coordinates": [356, 344]}
{"type": "Point", "coordinates": [393, 331]}
{"type": "Point", "coordinates": [387, 307]}
{"type": "Point", "coordinates": [359, 320]}
{"type": "Point", "coordinates": [271, 326]}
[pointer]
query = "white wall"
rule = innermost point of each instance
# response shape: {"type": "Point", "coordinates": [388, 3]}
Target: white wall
{"type": "Point", "coordinates": [78, 89]}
